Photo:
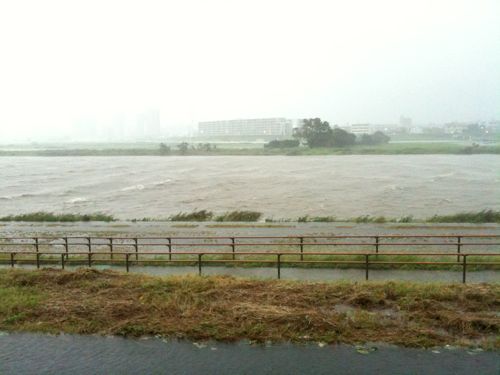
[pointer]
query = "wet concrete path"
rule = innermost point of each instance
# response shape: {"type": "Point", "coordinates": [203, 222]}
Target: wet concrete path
{"type": "Point", "coordinates": [305, 274]}
{"type": "Point", "coordinates": [75, 355]}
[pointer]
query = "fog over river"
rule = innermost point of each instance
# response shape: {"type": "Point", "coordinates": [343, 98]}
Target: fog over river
{"type": "Point", "coordinates": [278, 186]}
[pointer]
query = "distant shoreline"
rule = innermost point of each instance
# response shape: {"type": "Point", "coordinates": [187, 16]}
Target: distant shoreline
{"type": "Point", "coordinates": [410, 148]}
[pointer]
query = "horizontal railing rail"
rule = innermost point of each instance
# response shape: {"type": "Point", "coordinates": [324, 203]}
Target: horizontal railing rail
{"type": "Point", "coordinates": [70, 244]}
{"type": "Point", "coordinates": [40, 257]}
{"type": "Point", "coordinates": [458, 250]}
{"type": "Point", "coordinates": [127, 260]}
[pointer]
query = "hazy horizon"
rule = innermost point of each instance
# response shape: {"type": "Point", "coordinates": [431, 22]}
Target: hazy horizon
{"type": "Point", "coordinates": [73, 67]}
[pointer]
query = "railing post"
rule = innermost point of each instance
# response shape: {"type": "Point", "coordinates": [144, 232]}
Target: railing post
{"type": "Point", "coordinates": [459, 246]}
{"type": "Point", "coordinates": [301, 248]}
{"type": "Point", "coordinates": [12, 261]}
{"type": "Point", "coordinates": [111, 247]}
{"type": "Point", "coordinates": [376, 244]}
{"type": "Point", "coordinates": [127, 266]}
{"type": "Point", "coordinates": [366, 266]}
{"type": "Point", "coordinates": [66, 246]}
{"type": "Point", "coordinates": [37, 260]}
{"type": "Point", "coordinates": [278, 263]}
{"type": "Point", "coordinates": [464, 270]}
{"type": "Point", "coordinates": [90, 260]}
{"type": "Point", "coordinates": [36, 244]}
{"type": "Point", "coordinates": [136, 247]}
{"type": "Point", "coordinates": [62, 261]}
{"type": "Point", "coordinates": [169, 248]}
{"type": "Point", "coordinates": [199, 264]}
{"type": "Point", "coordinates": [90, 244]}
{"type": "Point", "coordinates": [233, 247]}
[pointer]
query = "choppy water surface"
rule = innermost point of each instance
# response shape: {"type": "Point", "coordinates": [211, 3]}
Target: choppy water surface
{"type": "Point", "coordinates": [279, 186]}
{"type": "Point", "coordinates": [66, 354]}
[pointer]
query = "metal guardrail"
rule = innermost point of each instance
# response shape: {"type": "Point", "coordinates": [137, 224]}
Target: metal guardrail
{"type": "Point", "coordinates": [69, 246]}
{"type": "Point", "coordinates": [127, 261]}
{"type": "Point", "coordinates": [376, 241]}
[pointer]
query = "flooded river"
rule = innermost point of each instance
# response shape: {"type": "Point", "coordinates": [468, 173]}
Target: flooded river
{"type": "Point", "coordinates": [278, 186]}
{"type": "Point", "coordinates": [75, 355]}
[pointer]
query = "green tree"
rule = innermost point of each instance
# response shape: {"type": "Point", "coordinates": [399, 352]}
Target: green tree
{"type": "Point", "coordinates": [204, 147]}
{"type": "Point", "coordinates": [183, 147]}
{"type": "Point", "coordinates": [164, 149]}
{"type": "Point", "coordinates": [342, 138]}
{"type": "Point", "coordinates": [380, 137]}
{"type": "Point", "coordinates": [365, 139]}
{"type": "Point", "coordinates": [315, 132]}
{"type": "Point", "coordinates": [374, 139]}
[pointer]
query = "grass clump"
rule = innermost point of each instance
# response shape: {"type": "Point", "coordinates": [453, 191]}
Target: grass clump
{"type": "Point", "coordinates": [16, 300]}
{"type": "Point", "coordinates": [484, 216]}
{"type": "Point", "coordinates": [406, 219]}
{"type": "Point", "coordinates": [205, 215]}
{"type": "Point", "coordinates": [229, 309]}
{"type": "Point", "coordinates": [317, 219]}
{"type": "Point", "coordinates": [52, 217]}
{"type": "Point", "coordinates": [239, 216]}
{"type": "Point", "coordinates": [201, 215]}
{"type": "Point", "coordinates": [362, 219]}
{"type": "Point", "coordinates": [323, 219]}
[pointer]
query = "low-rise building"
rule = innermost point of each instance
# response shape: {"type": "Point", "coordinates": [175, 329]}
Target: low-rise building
{"type": "Point", "coordinates": [360, 129]}
{"type": "Point", "coordinates": [264, 128]}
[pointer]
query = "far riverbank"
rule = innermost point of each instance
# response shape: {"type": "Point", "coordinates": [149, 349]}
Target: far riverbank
{"type": "Point", "coordinates": [153, 149]}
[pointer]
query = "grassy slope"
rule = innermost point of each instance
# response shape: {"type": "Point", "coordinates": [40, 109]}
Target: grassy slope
{"type": "Point", "coordinates": [225, 308]}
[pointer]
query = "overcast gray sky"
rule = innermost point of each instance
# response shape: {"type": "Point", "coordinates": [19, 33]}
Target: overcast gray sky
{"type": "Point", "coordinates": [345, 61]}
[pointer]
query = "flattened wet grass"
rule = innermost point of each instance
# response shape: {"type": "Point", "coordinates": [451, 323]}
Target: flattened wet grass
{"type": "Point", "coordinates": [229, 309]}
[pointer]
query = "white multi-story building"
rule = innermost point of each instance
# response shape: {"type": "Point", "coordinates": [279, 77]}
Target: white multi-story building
{"type": "Point", "coordinates": [360, 129]}
{"type": "Point", "coordinates": [247, 128]}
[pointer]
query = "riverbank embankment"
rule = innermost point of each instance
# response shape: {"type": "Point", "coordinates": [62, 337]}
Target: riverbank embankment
{"type": "Point", "coordinates": [230, 309]}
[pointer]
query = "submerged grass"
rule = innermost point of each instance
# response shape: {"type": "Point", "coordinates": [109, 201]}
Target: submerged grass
{"type": "Point", "coordinates": [229, 309]}
{"type": "Point", "coordinates": [239, 216]}
{"type": "Point", "coordinates": [485, 216]}
{"type": "Point", "coordinates": [52, 217]}
{"type": "Point", "coordinates": [201, 215]}
{"type": "Point", "coordinates": [205, 215]}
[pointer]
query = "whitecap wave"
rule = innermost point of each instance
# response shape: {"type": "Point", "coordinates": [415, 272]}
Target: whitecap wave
{"type": "Point", "coordinates": [442, 176]}
{"type": "Point", "coordinates": [163, 182]}
{"type": "Point", "coordinates": [393, 187]}
{"type": "Point", "coordinates": [76, 200]}
{"type": "Point", "coordinates": [22, 195]}
{"type": "Point", "coordinates": [133, 187]}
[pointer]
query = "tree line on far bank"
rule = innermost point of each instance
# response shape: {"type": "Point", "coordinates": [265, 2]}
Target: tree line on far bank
{"type": "Point", "coordinates": [316, 133]}
{"type": "Point", "coordinates": [313, 133]}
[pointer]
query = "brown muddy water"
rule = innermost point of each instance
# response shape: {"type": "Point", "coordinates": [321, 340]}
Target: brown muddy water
{"type": "Point", "coordinates": [279, 186]}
